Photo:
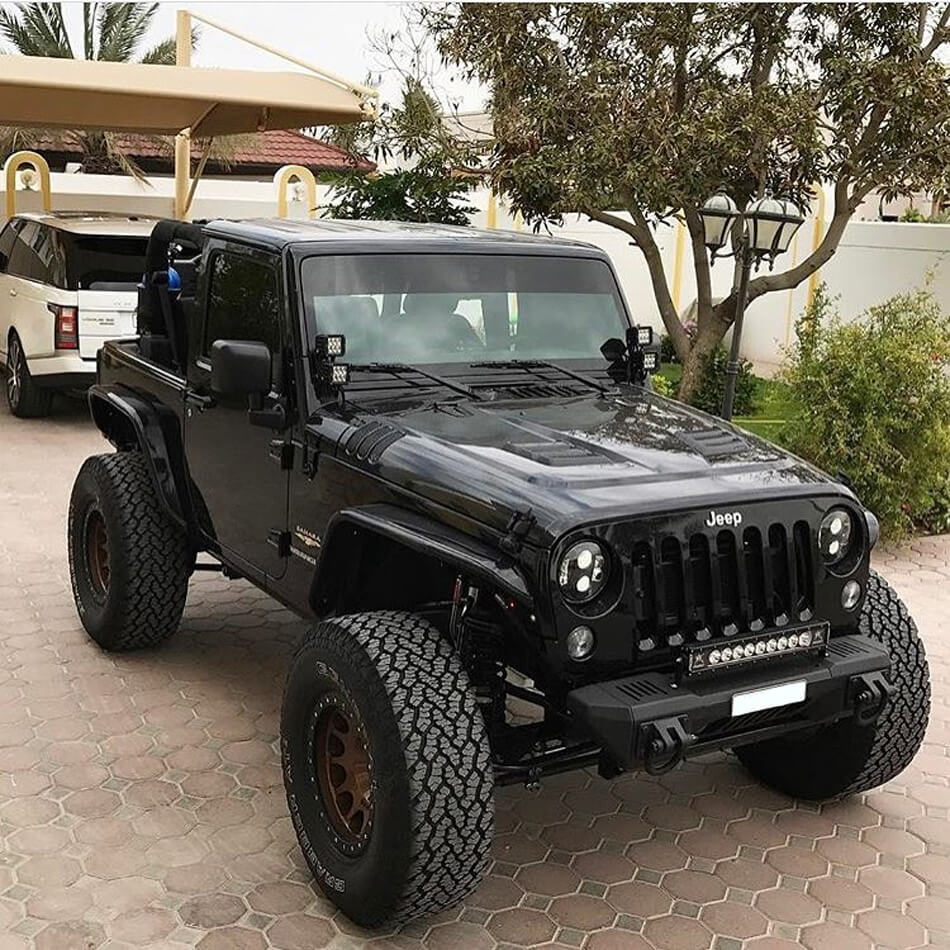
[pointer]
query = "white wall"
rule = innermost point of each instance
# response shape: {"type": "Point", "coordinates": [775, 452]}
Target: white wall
{"type": "Point", "coordinates": [874, 261]}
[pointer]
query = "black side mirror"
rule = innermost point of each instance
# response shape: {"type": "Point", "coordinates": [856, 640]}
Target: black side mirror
{"type": "Point", "coordinates": [240, 368]}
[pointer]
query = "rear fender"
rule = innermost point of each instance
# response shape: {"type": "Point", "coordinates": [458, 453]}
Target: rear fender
{"type": "Point", "coordinates": [133, 422]}
{"type": "Point", "coordinates": [353, 531]}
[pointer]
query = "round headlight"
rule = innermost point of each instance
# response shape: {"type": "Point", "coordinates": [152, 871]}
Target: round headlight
{"type": "Point", "coordinates": [835, 535]}
{"type": "Point", "coordinates": [583, 571]}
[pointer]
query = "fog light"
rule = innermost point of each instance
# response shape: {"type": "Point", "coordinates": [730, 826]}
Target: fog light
{"type": "Point", "coordinates": [580, 643]}
{"type": "Point", "coordinates": [850, 595]}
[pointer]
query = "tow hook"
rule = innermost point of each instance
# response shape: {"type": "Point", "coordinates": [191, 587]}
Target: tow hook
{"type": "Point", "coordinates": [869, 693]}
{"type": "Point", "coordinates": [664, 743]}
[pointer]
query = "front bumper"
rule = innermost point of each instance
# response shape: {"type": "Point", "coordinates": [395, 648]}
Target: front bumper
{"type": "Point", "coordinates": [650, 720]}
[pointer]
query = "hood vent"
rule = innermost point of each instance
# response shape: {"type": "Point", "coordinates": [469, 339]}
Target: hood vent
{"type": "Point", "coordinates": [537, 390]}
{"type": "Point", "coordinates": [370, 440]}
{"type": "Point", "coordinates": [715, 443]}
{"type": "Point", "coordinates": [555, 453]}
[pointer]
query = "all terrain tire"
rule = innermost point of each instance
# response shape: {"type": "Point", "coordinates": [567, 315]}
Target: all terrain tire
{"type": "Point", "coordinates": [25, 399]}
{"type": "Point", "coordinates": [846, 758]}
{"type": "Point", "coordinates": [387, 767]}
{"type": "Point", "coordinates": [128, 562]}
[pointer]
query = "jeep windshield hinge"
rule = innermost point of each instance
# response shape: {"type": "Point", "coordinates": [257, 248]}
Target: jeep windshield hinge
{"type": "Point", "coordinates": [280, 540]}
{"type": "Point", "coordinates": [311, 457]}
{"type": "Point", "coordinates": [282, 452]}
{"type": "Point", "coordinates": [518, 527]}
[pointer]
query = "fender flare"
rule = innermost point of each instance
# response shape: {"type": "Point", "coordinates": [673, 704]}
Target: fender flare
{"type": "Point", "coordinates": [417, 533]}
{"type": "Point", "coordinates": [131, 421]}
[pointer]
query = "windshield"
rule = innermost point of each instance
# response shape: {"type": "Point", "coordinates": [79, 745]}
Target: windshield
{"type": "Point", "coordinates": [462, 308]}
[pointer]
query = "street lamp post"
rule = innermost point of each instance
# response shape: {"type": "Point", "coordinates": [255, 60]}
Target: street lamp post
{"type": "Point", "coordinates": [766, 229]}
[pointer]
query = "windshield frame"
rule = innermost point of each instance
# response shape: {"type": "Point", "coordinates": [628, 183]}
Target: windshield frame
{"type": "Point", "coordinates": [478, 246]}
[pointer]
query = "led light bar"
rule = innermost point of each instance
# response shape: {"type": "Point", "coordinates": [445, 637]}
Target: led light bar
{"type": "Point", "coordinates": [729, 653]}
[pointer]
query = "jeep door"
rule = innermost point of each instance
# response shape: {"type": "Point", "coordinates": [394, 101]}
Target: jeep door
{"type": "Point", "coordinates": [238, 488]}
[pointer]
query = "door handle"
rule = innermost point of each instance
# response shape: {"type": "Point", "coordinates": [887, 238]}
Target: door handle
{"type": "Point", "coordinates": [12, 292]}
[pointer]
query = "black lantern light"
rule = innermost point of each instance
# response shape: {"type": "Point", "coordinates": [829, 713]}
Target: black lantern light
{"type": "Point", "coordinates": [766, 229]}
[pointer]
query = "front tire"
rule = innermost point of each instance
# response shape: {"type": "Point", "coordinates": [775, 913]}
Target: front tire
{"type": "Point", "coordinates": [128, 562]}
{"type": "Point", "coordinates": [25, 399]}
{"type": "Point", "coordinates": [387, 767]}
{"type": "Point", "coordinates": [846, 758]}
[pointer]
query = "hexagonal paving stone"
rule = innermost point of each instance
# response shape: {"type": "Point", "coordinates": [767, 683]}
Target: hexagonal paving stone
{"type": "Point", "coordinates": [280, 897]}
{"type": "Point", "coordinates": [840, 893]}
{"type": "Point", "coordinates": [677, 933]}
{"type": "Point", "coordinates": [211, 910]}
{"type": "Point", "coordinates": [789, 906]}
{"type": "Point", "coordinates": [521, 926]}
{"type": "Point", "coordinates": [303, 932]}
{"type": "Point", "coordinates": [604, 867]}
{"type": "Point", "coordinates": [699, 887]}
{"type": "Point", "coordinates": [548, 879]}
{"type": "Point", "coordinates": [891, 883]}
{"type": "Point", "coordinates": [639, 899]}
{"type": "Point", "coordinates": [733, 919]}
{"type": "Point", "coordinates": [833, 936]}
{"type": "Point", "coordinates": [891, 929]}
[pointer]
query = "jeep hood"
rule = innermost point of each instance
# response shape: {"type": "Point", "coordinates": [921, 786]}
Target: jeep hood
{"type": "Point", "coordinates": [579, 460]}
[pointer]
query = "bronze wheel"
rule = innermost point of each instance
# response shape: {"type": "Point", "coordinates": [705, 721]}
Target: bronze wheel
{"type": "Point", "coordinates": [97, 552]}
{"type": "Point", "coordinates": [343, 770]}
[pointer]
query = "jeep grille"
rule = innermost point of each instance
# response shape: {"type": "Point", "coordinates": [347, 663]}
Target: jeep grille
{"type": "Point", "coordinates": [739, 580]}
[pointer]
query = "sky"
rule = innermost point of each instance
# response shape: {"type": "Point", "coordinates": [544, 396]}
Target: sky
{"type": "Point", "coordinates": [329, 34]}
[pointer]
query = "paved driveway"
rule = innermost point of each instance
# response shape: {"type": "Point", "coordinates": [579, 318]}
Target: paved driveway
{"type": "Point", "coordinates": [141, 804]}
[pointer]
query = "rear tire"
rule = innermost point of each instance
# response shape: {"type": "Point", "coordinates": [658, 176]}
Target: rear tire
{"type": "Point", "coordinates": [846, 758]}
{"type": "Point", "coordinates": [25, 399]}
{"type": "Point", "coordinates": [128, 562]}
{"type": "Point", "coordinates": [387, 767]}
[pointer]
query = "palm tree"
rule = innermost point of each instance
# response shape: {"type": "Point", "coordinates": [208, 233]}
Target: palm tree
{"type": "Point", "coordinates": [110, 31]}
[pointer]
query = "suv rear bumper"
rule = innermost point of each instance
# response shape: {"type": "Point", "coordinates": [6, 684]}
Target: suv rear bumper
{"type": "Point", "coordinates": [62, 372]}
{"type": "Point", "coordinates": [650, 721]}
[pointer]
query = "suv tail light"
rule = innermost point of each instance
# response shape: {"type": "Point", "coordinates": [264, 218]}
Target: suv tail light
{"type": "Point", "coordinates": [66, 331]}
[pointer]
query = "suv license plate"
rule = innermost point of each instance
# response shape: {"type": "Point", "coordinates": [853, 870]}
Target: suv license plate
{"type": "Point", "coordinates": [769, 697]}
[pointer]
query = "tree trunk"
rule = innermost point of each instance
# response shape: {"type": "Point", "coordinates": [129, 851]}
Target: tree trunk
{"type": "Point", "coordinates": [708, 335]}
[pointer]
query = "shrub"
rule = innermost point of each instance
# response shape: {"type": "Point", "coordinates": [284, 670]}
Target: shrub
{"type": "Point", "coordinates": [667, 351]}
{"type": "Point", "coordinates": [872, 401]}
{"type": "Point", "coordinates": [708, 395]}
{"type": "Point", "coordinates": [663, 386]}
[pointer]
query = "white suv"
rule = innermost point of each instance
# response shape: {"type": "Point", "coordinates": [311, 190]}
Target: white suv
{"type": "Point", "coordinates": [67, 284]}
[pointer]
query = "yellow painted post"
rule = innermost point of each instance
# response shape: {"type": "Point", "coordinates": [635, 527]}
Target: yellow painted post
{"type": "Point", "coordinates": [491, 215]}
{"type": "Point", "coordinates": [791, 295]}
{"type": "Point", "coordinates": [10, 168]}
{"type": "Point", "coordinates": [183, 139]}
{"type": "Point", "coordinates": [284, 176]}
{"type": "Point", "coordinates": [678, 263]}
{"type": "Point", "coordinates": [817, 235]}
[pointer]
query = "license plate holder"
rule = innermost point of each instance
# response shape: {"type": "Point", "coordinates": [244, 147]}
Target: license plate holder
{"type": "Point", "coordinates": [768, 697]}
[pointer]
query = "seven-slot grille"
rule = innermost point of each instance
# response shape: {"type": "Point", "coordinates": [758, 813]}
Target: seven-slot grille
{"type": "Point", "coordinates": [736, 580]}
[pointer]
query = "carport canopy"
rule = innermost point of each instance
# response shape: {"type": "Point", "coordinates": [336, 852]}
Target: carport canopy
{"type": "Point", "coordinates": [42, 92]}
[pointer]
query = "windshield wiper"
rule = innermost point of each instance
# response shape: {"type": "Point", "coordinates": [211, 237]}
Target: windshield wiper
{"type": "Point", "coordinates": [399, 369]}
{"type": "Point", "coordinates": [542, 364]}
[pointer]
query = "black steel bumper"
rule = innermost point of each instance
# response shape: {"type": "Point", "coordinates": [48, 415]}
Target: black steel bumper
{"type": "Point", "coordinates": [651, 721]}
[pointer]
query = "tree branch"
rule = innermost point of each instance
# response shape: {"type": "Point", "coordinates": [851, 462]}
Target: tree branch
{"type": "Point", "coordinates": [697, 237]}
{"type": "Point", "coordinates": [818, 258]}
{"type": "Point", "coordinates": [939, 34]}
{"type": "Point", "coordinates": [639, 230]}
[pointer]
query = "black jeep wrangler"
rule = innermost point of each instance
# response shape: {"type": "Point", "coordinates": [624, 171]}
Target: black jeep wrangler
{"type": "Point", "coordinates": [442, 445]}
